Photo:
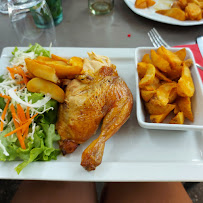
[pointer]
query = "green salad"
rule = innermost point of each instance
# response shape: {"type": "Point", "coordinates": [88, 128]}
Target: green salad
{"type": "Point", "coordinates": [27, 125]}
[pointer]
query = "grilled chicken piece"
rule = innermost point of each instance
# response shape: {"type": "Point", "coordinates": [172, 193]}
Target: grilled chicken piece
{"type": "Point", "coordinates": [106, 96]}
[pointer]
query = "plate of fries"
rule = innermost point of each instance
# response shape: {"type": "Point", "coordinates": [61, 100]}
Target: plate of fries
{"type": "Point", "coordinates": [174, 12]}
{"type": "Point", "coordinates": [168, 89]}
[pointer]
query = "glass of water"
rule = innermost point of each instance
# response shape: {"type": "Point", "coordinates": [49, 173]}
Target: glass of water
{"type": "Point", "coordinates": [32, 22]}
{"type": "Point", "coordinates": [100, 7]}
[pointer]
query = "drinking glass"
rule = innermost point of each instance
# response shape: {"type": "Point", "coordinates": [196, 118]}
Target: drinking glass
{"type": "Point", "coordinates": [32, 22]}
{"type": "Point", "coordinates": [3, 6]}
{"type": "Point", "coordinates": [100, 7]}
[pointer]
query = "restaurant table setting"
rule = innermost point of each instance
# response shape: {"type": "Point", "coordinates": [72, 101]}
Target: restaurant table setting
{"type": "Point", "coordinates": [140, 150]}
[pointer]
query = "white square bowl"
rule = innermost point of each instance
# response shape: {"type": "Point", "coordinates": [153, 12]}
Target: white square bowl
{"type": "Point", "coordinates": [196, 100]}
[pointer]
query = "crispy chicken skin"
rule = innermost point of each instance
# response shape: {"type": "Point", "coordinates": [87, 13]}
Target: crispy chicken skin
{"type": "Point", "coordinates": [107, 97]}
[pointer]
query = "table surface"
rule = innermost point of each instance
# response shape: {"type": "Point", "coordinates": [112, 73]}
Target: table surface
{"type": "Point", "coordinates": [79, 28]}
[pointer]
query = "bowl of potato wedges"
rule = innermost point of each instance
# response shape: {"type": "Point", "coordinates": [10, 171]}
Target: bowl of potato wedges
{"type": "Point", "coordinates": [169, 91]}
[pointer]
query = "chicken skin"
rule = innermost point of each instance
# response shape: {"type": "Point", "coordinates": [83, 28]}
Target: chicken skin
{"type": "Point", "coordinates": [105, 96]}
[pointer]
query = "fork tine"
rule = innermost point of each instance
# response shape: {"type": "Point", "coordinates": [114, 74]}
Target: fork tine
{"type": "Point", "coordinates": [159, 38]}
{"type": "Point", "coordinates": [153, 41]}
{"type": "Point", "coordinates": [156, 39]}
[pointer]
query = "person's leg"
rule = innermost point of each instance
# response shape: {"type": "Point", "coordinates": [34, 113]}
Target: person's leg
{"type": "Point", "coordinates": [54, 191]}
{"type": "Point", "coordinates": [152, 192]}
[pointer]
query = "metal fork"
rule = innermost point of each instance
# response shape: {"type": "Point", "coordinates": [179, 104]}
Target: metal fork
{"type": "Point", "coordinates": [158, 41]}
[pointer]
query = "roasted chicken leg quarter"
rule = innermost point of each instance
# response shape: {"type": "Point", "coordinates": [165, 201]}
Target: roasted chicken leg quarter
{"type": "Point", "coordinates": [103, 96]}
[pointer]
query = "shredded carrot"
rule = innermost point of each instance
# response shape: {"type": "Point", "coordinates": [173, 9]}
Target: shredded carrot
{"type": "Point", "coordinates": [28, 112]}
{"type": "Point", "coordinates": [12, 72]}
{"type": "Point", "coordinates": [3, 115]}
{"type": "Point", "coordinates": [19, 136]}
{"type": "Point", "coordinates": [21, 113]}
{"type": "Point", "coordinates": [5, 96]}
{"type": "Point", "coordinates": [22, 126]}
{"type": "Point", "coordinates": [22, 73]}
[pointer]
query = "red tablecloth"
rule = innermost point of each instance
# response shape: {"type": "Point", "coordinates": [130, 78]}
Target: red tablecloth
{"type": "Point", "coordinates": [198, 57]}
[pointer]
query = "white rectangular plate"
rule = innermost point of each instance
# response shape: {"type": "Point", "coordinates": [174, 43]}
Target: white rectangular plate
{"type": "Point", "coordinates": [132, 154]}
{"type": "Point", "coordinates": [196, 100]}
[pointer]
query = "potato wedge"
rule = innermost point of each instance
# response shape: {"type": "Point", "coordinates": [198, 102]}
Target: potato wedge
{"type": "Point", "coordinates": [146, 58]}
{"type": "Point", "coordinates": [188, 62]}
{"type": "Point", "coordinates": [141, 4]}
{"type": "Point", "coordinates": [41, 71]}
{"type": "Point", "coordinates": [147, 95]}
{"type": "Point", "coordinates": [181, 54]}
{"type": "Point", "coordinates": [153, 86]}
{"type": "Point", "coordinates": [185, 87]}
{"type": "Point", "coordinates": [141, 69]}
{"type": "Point", "coordinates": [157, 109]}
{"type": "Point", "coordinates": [184, 104]}
{"type": "Point", "coordinates": [150, 3]}
{"type": "Point", "coordinates": [160, 118]}
{"type": "Point", "coordinates": [63, 71]}
{"type": "Point", "coordinates": [178, 119]}
{"type": "Point", "coordinates": [76, 61]}
{"type": "Point", "coordinates": [172, 96]}
{"type": "Point", "coordinates": [172, 58]}
{"type": "Point", "coordinates": [173, 13]}
{"type": "Point", "coordinates": [162, 94]}
{"type": "Point", "coordinates": [161, 76]}
{"type": "Point", "coordinates": [58, 58]}
{"type": "Point", "coordinates": [148, 77]}
{"type": "Point", "coordinates": [160, 62]}
{"type": "Point", "coordinates": [46, 87]}
{"type": "Point", "coordinates": [176, 109]}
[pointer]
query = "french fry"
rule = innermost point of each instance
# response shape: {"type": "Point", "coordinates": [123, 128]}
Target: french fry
{"type": "Point", "coordinates": [178, 119]}
{"type": "Point", "coordinates": [46, 87]}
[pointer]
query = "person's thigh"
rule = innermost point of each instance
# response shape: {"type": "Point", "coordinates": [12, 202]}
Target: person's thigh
{"type": "Point", "coordinates": [152, 192]}
{"type": "Point", "coordinates": [54, 191]}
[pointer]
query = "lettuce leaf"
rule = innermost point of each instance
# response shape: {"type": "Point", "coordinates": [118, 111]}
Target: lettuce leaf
{"type": "Point", "coordinates": [38, 50]}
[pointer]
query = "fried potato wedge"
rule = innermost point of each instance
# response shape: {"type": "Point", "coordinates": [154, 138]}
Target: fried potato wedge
{"type": "Point", "coordinates": [76, 61]}
{"type": "Point", "coordinates": [184, 104]}
{"type": "Point", "coordinates": [160, 62]}
{"type": "Point", "coordinates": [161, 76]}
{"type": "Point", "coordinates": [153, 86]}
{"type": "Point", "coordinates": [181, 54]}
{"type": "Point", "coordinates": [162, 94]}
{"type": "Point", "coordinates": [141, 69]}
{"type": "Point", "coordinates": [172, 58]}
{"type": "Point", "coordinates": [141, 4]}
{"type": "Point", "coordinates": [46, 87]}
{"type": "Point", "coordinates": [148, 77]}
{"type": "Point", "coordinates": [41, 70]}
{"type": "Point", "coordinates": [193, 11]}
{"type": "Point", "coordinates": [154, 109]}
{"type": "Point", "coordinates": [146, 58]}
{"type": "Point", "coordinates": [172, 96]}
{"type": "Point", "coordinates": [160, 118]}
{"type": "Point", "coordinates": [58, 58]}
{"type": "Point", "coordinates": [188, 62]}
{"type": "Point", "coordinates": [178, 119]}
{"type": "Point", "coordinates": [176, 109]}
{"type": "Point", "coordinates": [147, 95]}
{"type": "Point", "coordinates": [63, 71]}
{"type": "Point", "coordinates": [173, 13]}
{"type": "Point", "coordinates": [185, 87]}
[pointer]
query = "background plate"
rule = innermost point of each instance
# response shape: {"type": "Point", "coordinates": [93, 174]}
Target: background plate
{"type": "Point", "coordinates": [160, 4]}
{"type": "Point", "coordinates": [132, 154]}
